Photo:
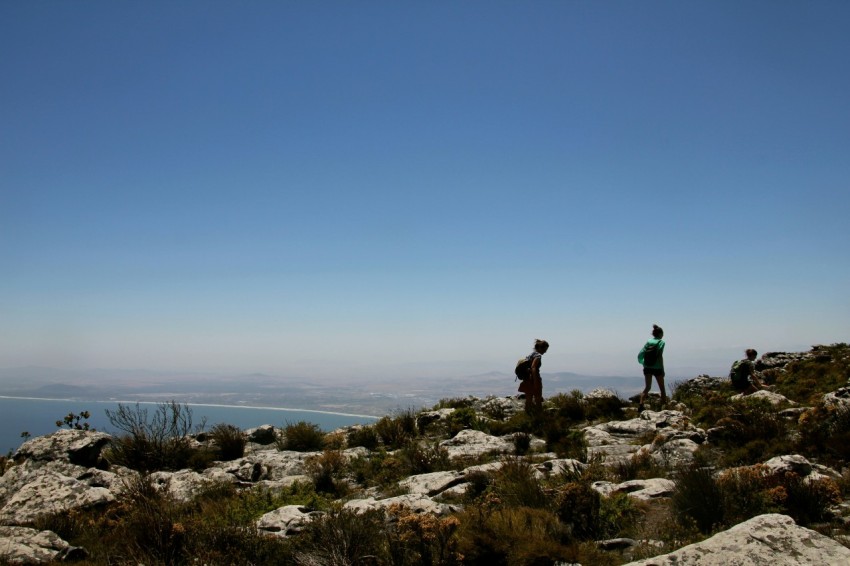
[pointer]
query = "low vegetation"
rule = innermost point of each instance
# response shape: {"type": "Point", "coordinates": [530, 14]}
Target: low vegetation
{"type": "Point", "coordinates": [509, 516]}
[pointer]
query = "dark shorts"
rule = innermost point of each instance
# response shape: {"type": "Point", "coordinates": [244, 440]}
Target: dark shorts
{"type": "Point", "coordinates": [649, 372]}
{"type": "Point", "coordinates": [741, 385]}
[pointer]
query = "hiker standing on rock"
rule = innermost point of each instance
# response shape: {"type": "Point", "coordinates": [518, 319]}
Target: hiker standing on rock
{"type": "Point", "coordinates": [652, 359]}
{"type": "Point", "coordinates": [533, 386]}
{"type": "Point", "coordinates": [743, 374]}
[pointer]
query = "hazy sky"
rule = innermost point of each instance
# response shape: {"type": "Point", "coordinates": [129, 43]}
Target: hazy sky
{"type": "Point", "coordinates": [421, 188]}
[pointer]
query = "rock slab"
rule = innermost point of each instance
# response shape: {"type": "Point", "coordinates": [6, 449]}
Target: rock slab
{"type": "Point", "coordinates": [767, 539]}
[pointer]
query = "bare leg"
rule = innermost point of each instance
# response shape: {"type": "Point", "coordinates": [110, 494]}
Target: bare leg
{"type": "Point", "coordinates": [660, 380]}
{"type": "Point", "coordinates": [648, 379]}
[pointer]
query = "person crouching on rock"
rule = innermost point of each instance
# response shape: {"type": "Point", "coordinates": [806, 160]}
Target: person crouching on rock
{"type": "Point", "coordinates": [743, 374]}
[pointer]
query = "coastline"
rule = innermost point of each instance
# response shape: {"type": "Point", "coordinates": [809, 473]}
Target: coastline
{"type": "Point", "coordinates": [218, 405]}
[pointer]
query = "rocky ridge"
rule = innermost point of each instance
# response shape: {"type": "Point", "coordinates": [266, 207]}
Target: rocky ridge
{"type": "Point", "coordinates": [66, 471]}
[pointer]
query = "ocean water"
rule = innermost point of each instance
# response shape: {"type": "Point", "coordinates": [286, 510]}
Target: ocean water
{"type": "Point", "coordinates": [39, 416]}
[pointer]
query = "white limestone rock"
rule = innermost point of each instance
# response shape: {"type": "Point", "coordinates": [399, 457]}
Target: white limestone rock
{"type": "Point", "coordinates": [263, 434]}
{"type": "Point", "coordinates": [476, 443]}
{"type": "Point", "coordinates": [22, 545]}
{"type": "Point", "coordinates": [431, 484]}
{"type": "Point", "coordinates": [771, 397]}
{"type": "Point", "coordinates": [838, 399]}
{"type": "Point", "coordinates": [50, 493]}
{"type": "Point", "coordinates": [674, 452]}
{"type": "Point", "coordinates": [767, 539]}
{"type": "Point", "coordinates": [601, 393]}
{"type": "Point", "coordinates": [182, 485]}
{"type": "Point", "coordinates": [559, 466]}
{"type": "Point", "coordinates": [285, 521]}
{"type": "Point", "coordinates": [79, 447]}
{"type": "Point", "coordinates": [644, 490]}
{"type": "Point", "coordinates": [417, 503]}
{"type": "Point", "coordinates": [789, 463]}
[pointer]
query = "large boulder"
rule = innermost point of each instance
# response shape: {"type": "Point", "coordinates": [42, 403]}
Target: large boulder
{"type": "Point", "coordinates": [472, 443]}
{"type": "Point", "coordinates": [22, 545]}
{"type": "Point", "coordinates": [50, 493]}
{"type": "Point", "coordinates": [264, 435]}
{"type": "Point", "coordinates": [417, 503]}
{"type": "Point", "coordinates": [618, 441]}
{"type": "Point", "coordinates": [767, 539]}
{"type": "Point", "coordinates": [287, 520]}
{"type": "Point", "coordinates": [644, 490]}
{"type": "Point", "coordinates": [79, 447]}
{"type": "Point", "coordinates": [775, 399]}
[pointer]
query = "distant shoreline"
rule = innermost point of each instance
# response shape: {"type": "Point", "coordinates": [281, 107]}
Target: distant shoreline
{"type": "Point", "coordinates": [198, 405]}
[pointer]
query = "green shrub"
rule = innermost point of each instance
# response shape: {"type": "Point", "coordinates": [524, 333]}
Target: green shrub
{"type": "Point", "coordinates": [424, 458]}
{"type": "Point", "coordinates": [824, 432]}
{"type": "Point", "coordinates": [378, 469]}
{"type": "Point", "coordinates": [490, 534]}
{"type": "Point", "coordinates": [454, 403]}
{"type": "Point", "coordinates": [808, 502]}
{"type": "Point", "coordinates": [617, 514]}
{"type": "Point", "coordinates": [343, 537]}
{"type": "Point", "coordinates": [151, 443]}
{"type": "Point", "coordinates": [604, 408]}
{"type": "Point", "coordinates": [807, 380]}
{"type": "Point", "coordinates": [516, 484]}
{"type": "Point", "coordinates": [462, 419]}
{"type": "Point", "coordinates": [302, 437]}
{"type": "Point", "coordinates": [750, 431]}
{"type": "Point", "coordinates": [364, 436]}
{"type": "Point", "coordinates": [326, 471]}
{"type": "Point", "coordinates": [749, 491]}
{"type": "Point", "coordinates": [577, 506]}
{"type": "Point", "coordinates": [566, 442]}
{"type": "Point", "coordinates": [570, 406]}
{"type": "Point", "coordinates": [640, 466]}
{"type": "Point", "coordinates": [698, 497]}
{"type": "Point", "coordinates": [76, 421]}
{"type": "Point", "coordinates": [421, 539]}
{"type": "Point", "coordinates": [229, 441]}
{"type": "Point", "coordinates": [522, 443]}
{"type": "Point", "coordinates": [518, 422]}
{"type": "Point", "coordinates": [396, 431]}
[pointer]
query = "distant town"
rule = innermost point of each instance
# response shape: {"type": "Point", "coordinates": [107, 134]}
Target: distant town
{"type": "Point", "coordinates": [364, 396]}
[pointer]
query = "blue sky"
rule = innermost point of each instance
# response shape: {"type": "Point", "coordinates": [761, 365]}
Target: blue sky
{"type": "Point", "coordinates": [407, 189]}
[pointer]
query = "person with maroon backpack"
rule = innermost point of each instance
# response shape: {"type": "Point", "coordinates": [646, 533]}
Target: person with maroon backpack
{"type": "Point", "coordinates": [651, 357]}
{"type": "Point", "coordinates": [528, 369]}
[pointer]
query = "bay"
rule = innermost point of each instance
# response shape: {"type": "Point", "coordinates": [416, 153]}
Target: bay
{"type": "Point", "coordinates": [38, 417]}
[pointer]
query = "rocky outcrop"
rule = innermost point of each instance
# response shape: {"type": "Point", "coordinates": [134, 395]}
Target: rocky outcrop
{"type": "Point", "coordinates": [50, 493]}
{"type": "Point", "coordinates": [476, 443]}
{"type": "Point", "coordinates": [414, 502]}
{"type": "Point", "coordinates": [51, 476]}
{"type": "Point", "coordinates": [639, 489]}
{"type": "Point", "coordinates": [766, 539]}
{"type": "Point", "coordinates": [65, 471]}
{"type": "Point", "coordinates": [78, 447]}
{"type": "Point", "coordinates": [22, 545]}
{"type": "Point", "coordinates": [286, 521]}
{"type": "Point", "coordinates": [775, 399]}
{"type": "Point", "coordinates": [666, 435]}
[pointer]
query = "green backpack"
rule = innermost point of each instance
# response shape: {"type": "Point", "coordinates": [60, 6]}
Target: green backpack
{"type": "Point", "coordinates": [740, 372]}
{"type": "Point", "coordinates": [650, 354]}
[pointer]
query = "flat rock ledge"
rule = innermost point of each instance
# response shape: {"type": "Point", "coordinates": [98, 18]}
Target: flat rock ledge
{"type": "Point", "coordinates": [767, 539]}
{"type": "Point", "coordinates": [22, 545]}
